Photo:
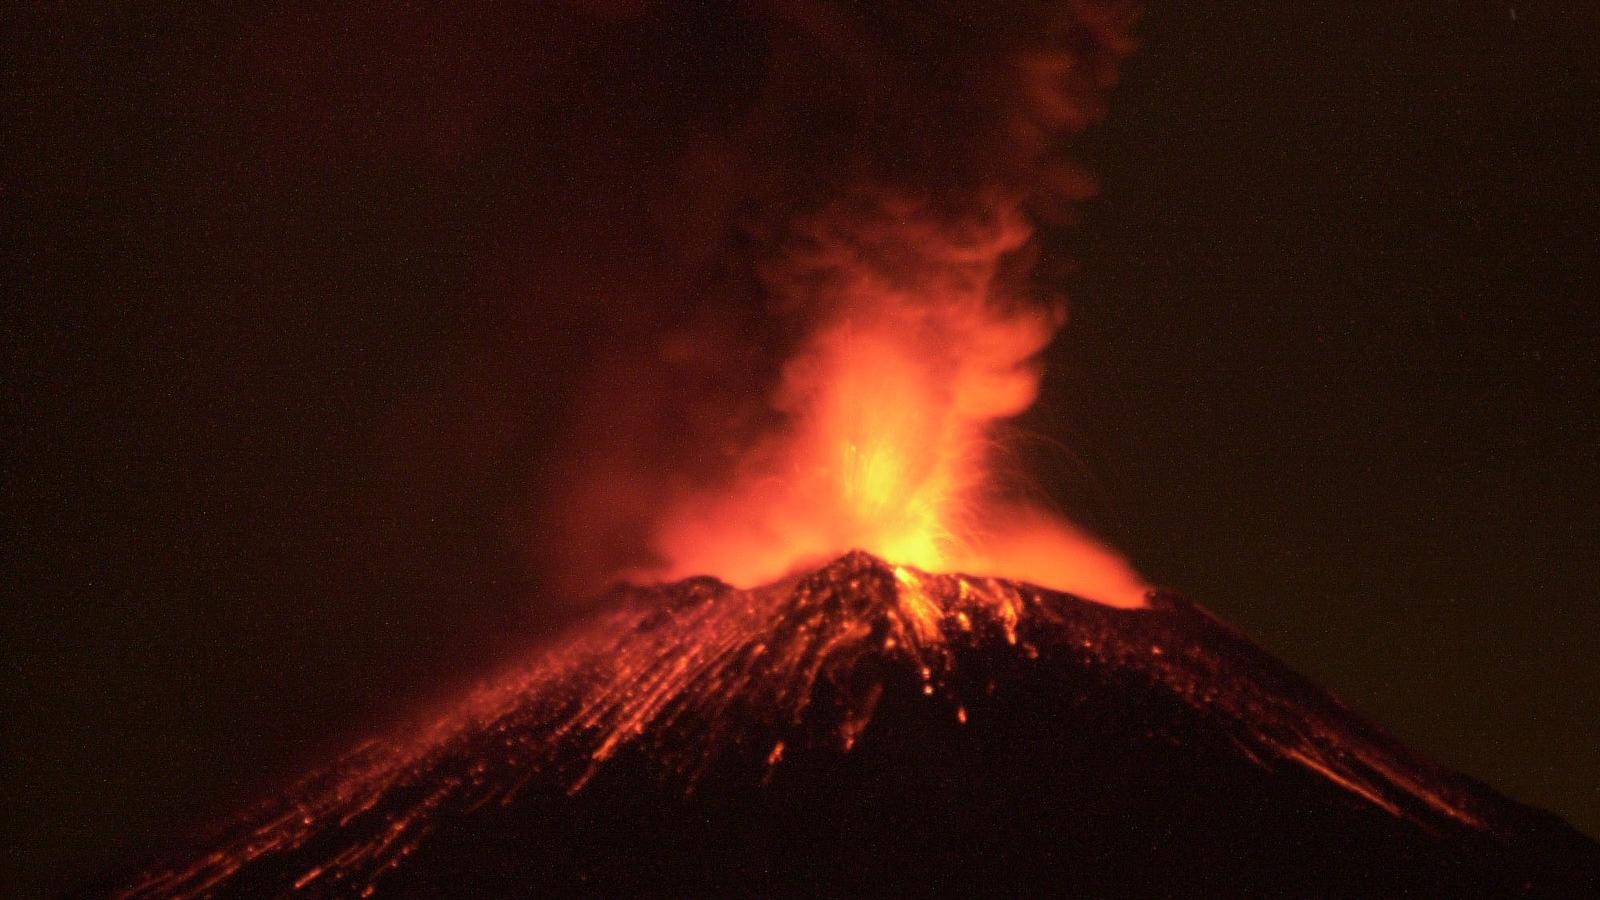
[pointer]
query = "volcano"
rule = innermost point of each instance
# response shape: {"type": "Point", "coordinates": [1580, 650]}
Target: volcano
{"type": "Point", "coordinates": [870, 728]}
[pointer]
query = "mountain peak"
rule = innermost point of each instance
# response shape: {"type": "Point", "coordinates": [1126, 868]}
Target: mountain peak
{"type": "Point", "coordinates": [865, 720]}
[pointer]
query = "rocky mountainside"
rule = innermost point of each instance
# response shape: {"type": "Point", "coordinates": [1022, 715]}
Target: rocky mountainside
{"type": "Point", "coordinates": [873, 729]}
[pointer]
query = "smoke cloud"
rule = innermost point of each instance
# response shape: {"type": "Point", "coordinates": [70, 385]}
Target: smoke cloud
{"type": "Point", "coordinates": [848, 304]}
{"type": "Point", "coordinates": [757, 284]}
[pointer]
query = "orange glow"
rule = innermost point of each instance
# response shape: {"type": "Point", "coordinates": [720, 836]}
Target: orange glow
{"type": "Point", "coordinates": [688, 690]}
{"type": "Point", "coordinates": [890, 405]}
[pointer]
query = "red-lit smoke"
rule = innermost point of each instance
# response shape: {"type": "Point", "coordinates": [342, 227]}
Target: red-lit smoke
{"type": "Point", "coordinates": [887, 442]}
{"type": "Point", "coordinates": [843, 258]}
{"type": "Point", "coordinates": [921, 331]}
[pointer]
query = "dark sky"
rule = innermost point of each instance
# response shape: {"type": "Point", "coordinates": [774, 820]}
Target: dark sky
{"type": "Point", "coordinates": [304, 298]}
{"type": "Point", "coordinates": [1341, 353]}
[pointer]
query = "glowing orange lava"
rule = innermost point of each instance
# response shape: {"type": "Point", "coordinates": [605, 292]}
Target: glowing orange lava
{"type": "Point", "coordinates": [890, 408]}
{"type": "Point", "coordinates": [699, 678]}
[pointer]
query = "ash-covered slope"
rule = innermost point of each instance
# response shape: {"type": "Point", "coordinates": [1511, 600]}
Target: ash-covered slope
{"type": "Point", "coordinates": [874, 729]}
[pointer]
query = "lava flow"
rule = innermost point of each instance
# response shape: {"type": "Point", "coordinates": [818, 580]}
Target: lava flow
{"type": "Point", "coordinates": [869, 727]}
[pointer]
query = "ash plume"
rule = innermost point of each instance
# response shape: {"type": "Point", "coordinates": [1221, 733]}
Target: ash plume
{"type": "Point", "coordinates": [850, 249]}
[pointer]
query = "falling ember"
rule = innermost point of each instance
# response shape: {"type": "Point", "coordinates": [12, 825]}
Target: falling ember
{"type": "Point", "coordinates": [772, 696]}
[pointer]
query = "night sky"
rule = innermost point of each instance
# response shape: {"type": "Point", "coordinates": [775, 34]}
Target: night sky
{"type": "Point", "coordinates": [306, 302]}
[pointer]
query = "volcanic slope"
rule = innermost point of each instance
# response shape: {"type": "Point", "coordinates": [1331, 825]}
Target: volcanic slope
{"type": "Point", "coordinates": [873, 729]}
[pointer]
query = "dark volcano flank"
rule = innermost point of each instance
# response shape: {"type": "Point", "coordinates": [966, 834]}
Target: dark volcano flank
{"type": "Point", "coordinates": [873, 729]}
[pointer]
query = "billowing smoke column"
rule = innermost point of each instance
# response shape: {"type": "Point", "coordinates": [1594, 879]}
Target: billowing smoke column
{"type": "Point", "coordinates": [903, 263]}
{"type": "Point", "coordinates": [885, 443]}
{"type": "Point", "coordinates": [831, 307]}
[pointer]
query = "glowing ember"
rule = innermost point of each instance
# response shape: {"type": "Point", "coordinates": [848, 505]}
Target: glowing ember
{"type": "Point", "coordinates": [701, 680]}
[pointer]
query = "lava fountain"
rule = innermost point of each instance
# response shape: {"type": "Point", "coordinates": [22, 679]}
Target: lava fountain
{"type": "Point", "coordinates": [906, 269]}
{"type": "Point", "coordinates": [890, 406]}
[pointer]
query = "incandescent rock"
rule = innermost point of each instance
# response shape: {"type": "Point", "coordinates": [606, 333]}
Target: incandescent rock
{"type": "Point", "coordinates": [873, 729]}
